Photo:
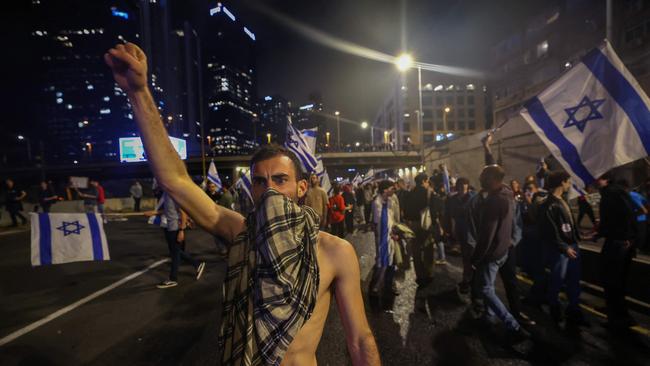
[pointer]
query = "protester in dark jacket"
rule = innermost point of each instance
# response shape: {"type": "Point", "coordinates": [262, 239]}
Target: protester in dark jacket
{"type": "Point", "coordinates": [618, 227]}
{"type": "Point", "coordinates": [561, 237]}
{"type": "Point", "coordinates": [418, 200]}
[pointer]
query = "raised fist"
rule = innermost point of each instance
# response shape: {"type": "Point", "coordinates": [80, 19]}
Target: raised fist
{"type": "Point", "coordinates": [129, 66]}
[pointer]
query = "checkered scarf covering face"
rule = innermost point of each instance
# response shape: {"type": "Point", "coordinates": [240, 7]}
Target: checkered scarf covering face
{"type": "Point", "coordinates": [271, 284]}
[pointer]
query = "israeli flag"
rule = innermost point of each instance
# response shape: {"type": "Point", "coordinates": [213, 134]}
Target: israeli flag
{"type": "Point", "coordinates": [593, 118]}
{"type": "Point", "coordinates": [357, 180]}
{"type": "Point", "coordinates": [244, 184]}
{"type": "Point", "coordinates": [296, 143]}
{"type": "Point", "coordinates": [213, 176]}
{"type": "Point", "coordinates": [368, 177]}
{"type": "Point", "coordinates": [63, 238]}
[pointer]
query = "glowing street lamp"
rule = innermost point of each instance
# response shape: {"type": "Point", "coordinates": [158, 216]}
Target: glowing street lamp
{"type": "Point", "coordinates": [404, 62]}
{"type": "Point", "coordinates": [364, 124]}
{"type": "Point", "coordinates": [327, 137]}
{"type": "Point", "coordinates": [268, 138]}
{"type": "Point", "coordinates": [338, 128]}
{"type": "Point", "coordinates": [446, 111]}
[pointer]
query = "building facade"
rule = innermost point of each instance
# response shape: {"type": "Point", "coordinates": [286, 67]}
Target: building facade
{"type": "Point", "coordinates": [557, 38]}
{"type": "Point", "coordinates": [451, 107]}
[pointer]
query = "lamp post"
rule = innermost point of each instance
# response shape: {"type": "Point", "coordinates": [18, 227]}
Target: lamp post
{"type": "Point", "coordinates": [327, 137]}
{"type": "Point", "coordinates": [444, 117]}
{"type": "Point", "coordinates": [365, 125]}
{"type": "Point", "coordinates": [28, 144]}
{"type": "Point", "coordinates": [268, 138]}
{"type": "Point", "coordinates": [403, 63]}
{"type": "Point", "coordinates": [338, 128]}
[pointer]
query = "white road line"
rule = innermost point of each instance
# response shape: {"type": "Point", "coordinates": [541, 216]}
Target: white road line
{"type": "Point", "coordinates": [77, 304]}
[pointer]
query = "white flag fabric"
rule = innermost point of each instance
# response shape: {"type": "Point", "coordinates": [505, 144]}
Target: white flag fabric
{"type": "Point", "coordinates": [594, 117]}
{"type": "Point", "coordinates": [357, 180]}
{"type": "Point", "coordinates": [213, 176]}
{"type": "Point", "coordinates": [67, 237]}
{"type": "Point", "coordinates": [370, 175]}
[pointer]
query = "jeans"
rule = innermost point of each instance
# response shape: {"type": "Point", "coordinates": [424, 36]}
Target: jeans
{"type": "Point", "coordinates": [136, 204]}
{"type": "Point", "coordinates": [440, 250]}
{"type": "Point", "coordinates": [508, 273]}
{"type": "Point", "coordinates": [487, 273]}
{"type": "Point", "coordinates": [565, 271]}
{"type": "Point", "coordinates": [616, 261]}
{"type": "Point", "coordinates": [176, 254]}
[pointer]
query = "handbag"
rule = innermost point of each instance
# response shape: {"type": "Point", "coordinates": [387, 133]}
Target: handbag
{"type": "Point", "coordinates": [425, 219]}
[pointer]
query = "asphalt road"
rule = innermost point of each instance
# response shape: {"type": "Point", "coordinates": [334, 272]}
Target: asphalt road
{"type": "Point", "coordinates": [137, 324]}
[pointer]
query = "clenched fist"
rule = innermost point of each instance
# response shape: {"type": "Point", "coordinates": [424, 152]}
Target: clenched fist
{"type": "Point", "coordinates": [129, 66]}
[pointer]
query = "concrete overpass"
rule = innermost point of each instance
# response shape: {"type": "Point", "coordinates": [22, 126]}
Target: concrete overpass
{"type": "Point", "coordinates": [225, 164]}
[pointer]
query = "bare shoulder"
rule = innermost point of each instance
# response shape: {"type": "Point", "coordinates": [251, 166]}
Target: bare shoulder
{"type": "Point", "coordinates": [338, 251]}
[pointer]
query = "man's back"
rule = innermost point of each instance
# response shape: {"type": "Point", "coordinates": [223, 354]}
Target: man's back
{"type": "Point", "coordinates": [316, 198]}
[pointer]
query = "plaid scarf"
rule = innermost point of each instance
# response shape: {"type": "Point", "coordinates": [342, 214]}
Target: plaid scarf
{"type": "Point", "coordinates": [271, 284]}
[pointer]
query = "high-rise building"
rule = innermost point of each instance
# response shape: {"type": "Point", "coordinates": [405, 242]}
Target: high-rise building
{"type": "Point", "coordinates": [275, 113]}
{"type": "Point", "coordinates": [83, 111]}
{"type": "Point", "coordinates": [230, 84]}
{"type": "Point", "coordinates": [556, 38]}
{"type": "Point", "coordinates": [451, 106]}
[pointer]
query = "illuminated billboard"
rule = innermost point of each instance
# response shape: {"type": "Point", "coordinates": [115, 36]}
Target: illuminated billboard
{"type": "Point", "coordinates": [131, 149]}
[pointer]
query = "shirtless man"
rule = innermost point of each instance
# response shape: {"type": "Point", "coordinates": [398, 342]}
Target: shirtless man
{"type": "Point", "coordinates": [337, 260]}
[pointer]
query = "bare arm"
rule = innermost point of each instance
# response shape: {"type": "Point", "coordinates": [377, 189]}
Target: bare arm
{"type": "Point", "coordinates": [129, 66]}
{"type": "Point", "coordinates": [359, 337]}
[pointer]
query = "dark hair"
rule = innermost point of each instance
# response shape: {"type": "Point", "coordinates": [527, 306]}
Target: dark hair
{"type": "Point", "coordinates": [336, 188]}
{"type": "Point", "coordinates": [420, 178]}
{"type": "Point", "coordinates": [266, 152]}
{"type": "Point", "coordinates": [384, 185]}
{"type": "Point", "coordinates": [461, 182]}
{"type": "Point", "coordinates": [556, 178]}
{"type": "Point", "coordinates": [493, 172]}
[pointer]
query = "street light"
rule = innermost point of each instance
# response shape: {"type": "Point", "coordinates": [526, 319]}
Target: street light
{"type": "Point", "coordinates": [404, 62]}
{"type": "Point", "coordinates": [28, 145]}
{"type": "Point", "coordinates": [365, 125]}
{"type": "Point", "coordinates": [386, 137]}
{"type": "Point", "coordinates": [338, 128]}
{"type": "Point", "coordinates": [268, 138]}
{"type": "Point", "coordinates": [327, 136]}
{"type": "Point", "coordinates": [446, 111]}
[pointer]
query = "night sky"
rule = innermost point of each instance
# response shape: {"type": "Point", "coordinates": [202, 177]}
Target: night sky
{"type": "Point", "coordinates": [451, 32]}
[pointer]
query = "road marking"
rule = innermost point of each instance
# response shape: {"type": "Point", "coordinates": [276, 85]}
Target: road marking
{"type": "Point", "coordinates": [77, 304]}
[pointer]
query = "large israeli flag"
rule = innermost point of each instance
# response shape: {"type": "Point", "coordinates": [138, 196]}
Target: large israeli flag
{"type": "Point", "coordinates": [445, 179]}
{"type": "Point", "coordinates": [593, 118]}
{"type": "Point", "coordinates": [213, 176]}
{"type": "Point", "coordinates": [63, 237]}
{"type": "Point", "coordinates": [370, 175]}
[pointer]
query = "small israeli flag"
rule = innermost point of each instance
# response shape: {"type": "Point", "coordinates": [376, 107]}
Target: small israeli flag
{"type": "Point", "coordinates": [593, 118]}
{"type": "Point", "coordinates": [368, 177]}
{"type": "Point", "coordinates": [244, 183]}
{"type": "Point", "coordinates": [213, 176]}
{"type": "Point", "coordinates": [296, 143]}
{"type": "Point", "coordinates": [62, 238]}
{"type": "Point", "coordinates": [357, 180]}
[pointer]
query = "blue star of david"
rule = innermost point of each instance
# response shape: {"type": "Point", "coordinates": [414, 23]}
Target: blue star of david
{"type": "Point", "coordinates": [75, 230]}
{"type": "Point", "coordinates": [593, 113]}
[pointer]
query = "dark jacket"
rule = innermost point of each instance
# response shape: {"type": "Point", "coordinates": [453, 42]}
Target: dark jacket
{"type": "Point", "coordinates": [457, 211]}
{"type": "Point", "coordinates": [617, 214]}
{"type": "Point", "coordinates": [556, 225]}
{"type": "Point", "coordinates": [417, 200]}
{"type": "Point", "coordinates": [495, 227]}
